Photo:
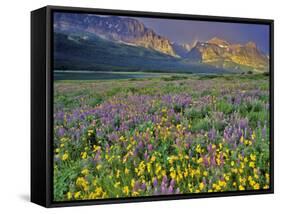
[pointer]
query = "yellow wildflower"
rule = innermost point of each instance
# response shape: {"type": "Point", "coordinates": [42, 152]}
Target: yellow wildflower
{"type": "Point", "coordinates": [90, 132]}
{"type": "Point", "coordinates": [253, 157]}
{"type": "Point", "coordinates": [122, 138]}
{"type": "Point", "coordinates": [126, 171]}
{"type": "Point", "coordinates": [179, 126]}
{"type": "Point", "coordinates": [96, 148]}
{"type": "Point", "coordinates": [126, 190]}
{"type": "Point", "coordinates": [133, 183]}
{"type": "Point", "coordinates": [65, 156]}
{"type": "Point", "coordinates": [77, 195]}
{"type": "Point", "coordinates": [252, 182]}
{"type": "Point", "coordinates": [253, 136]}
{"type": "Point", "coordinates": [200, 160]}
{"type": "Point", "coordinates": [267, 177]}
{"type": "Point", "coordinates": [85, 171]}
{"type": "Point", "coordinates": [69, 195]}
{"type": "Point", "coordinates": [216, 187]}
{"type": "Point", "coordinates": [117, 184]}
{"type": "Point", "coordinates": [226, 178]}
{"type": "Point", "coordinates": [198, 148]}
{"type": "Point", "coordinates": [256, 186]}
{"type": "Point", "coordinates": [84, 155]}
{"type": "Point", "coordinates": [241, 187]}
{"type": "Point", "coordinates": [98, 167]}
{"type": "Point", "coordinates": [252, 164]}
{"type": "Point", "coordinates": [135, 193]}
{"type": "Point", "coordinates": [222, 183]}
{"type": "Point", "coordinates": [201, 186]}
{"type": "Point", "coordinates": [82, 182]}
{"type": "Point", "coordinates": [173, 174]}
{"type": "Point", "coordinates": [153, 158]}
{"type": "Point", "coordinates": [118, 173]}
{"type": "Point", "coordinates": [242, 139]}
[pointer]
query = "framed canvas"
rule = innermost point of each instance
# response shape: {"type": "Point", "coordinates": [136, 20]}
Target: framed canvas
{"type": "Point", "coordinates": [141, 106]}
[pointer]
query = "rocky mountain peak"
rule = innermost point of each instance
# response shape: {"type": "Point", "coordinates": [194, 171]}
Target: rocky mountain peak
{"type": "Point", "coordinates": [218, 41]}
{"type": "Point", "coordinates": [221, 53]}
{"type": "Point", "coordinates": [251, 45]}
{"type": "Point", "coordinates": [127, 30]}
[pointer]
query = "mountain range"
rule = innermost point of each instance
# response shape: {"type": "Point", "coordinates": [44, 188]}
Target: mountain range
{"type": "Point", "coordinates": [116, 43]}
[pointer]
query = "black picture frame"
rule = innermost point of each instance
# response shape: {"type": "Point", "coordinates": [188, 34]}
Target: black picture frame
{"type": "Point", "coordinates": [42, 103]}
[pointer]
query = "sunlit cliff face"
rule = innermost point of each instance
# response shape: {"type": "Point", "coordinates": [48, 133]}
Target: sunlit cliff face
{"type": "Point", "coordinates": [219, 52]}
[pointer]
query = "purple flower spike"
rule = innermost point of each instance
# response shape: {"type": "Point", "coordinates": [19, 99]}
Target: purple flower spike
{"type": "Point", "coordinates": [213, 161]}
{"type": "Point", "coordinates": [150, 147]}
{"type": "Point", "coordinates": [209, 148]}
{"type": "Point", "coordinates": [243, 123]}
{"type": "Point", "coordinates": [170, 190]}
{"type": "Point", "coordinates": [163, 190]}
{"type": "Point", "coordinates": [140, 145]}
{"type": "Point", "coordinates": [155, 182]}
{"type": "Point", "coordinates": [205, 160]}
{"type": "Point", "coordinates": [61, 132]}
{"type": "Point", "coordinates": [143, 186]}
{"type": "Point", "coordinates": [165, 179]}
{"type": "Point", "coordinates": [172, 183]}
{"type": "Point", "coordinates": [145, 155]}
{"type": "Point", "coordinates": [212, 134]}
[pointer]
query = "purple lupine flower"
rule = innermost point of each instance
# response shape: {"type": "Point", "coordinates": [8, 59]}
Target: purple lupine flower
{"type": "Point", "coordinates": [172, 183]}
{"type": "Point", "coordinates": [61, 132]}
{"type": "Point", "coordinates": [145, 156]}
{"type": "Point", "coordinates": [170, 190]}
{"type": "Point", "coordinates": [205, 160]}
{"type": "Point", "coordinates": [143, 186]}
{"type": "Point", "coordinates": [150, 147]}
{"type": "Point", "coordinates": [163, 190]}
{"type": "Point", "coordinates": [140, 145]}
{"type": "Point", "coordinates": [213, 161]}
{"type": "Point", "coordinates": [165, 179]}
{"type": "Point", "coordinates": [155, 182]}
{"type": "Point", "coordinates": [243, 123]}
{"type": "Point", "coordinates": [209, 148]}
{"type": "Point", "coordinates": [212, 134]}
{"type": "Point", "coordinates": [135, 152]}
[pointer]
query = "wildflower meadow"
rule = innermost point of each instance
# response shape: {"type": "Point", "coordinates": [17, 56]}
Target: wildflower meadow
{"type": "Point", "coordinates": [174, 134]}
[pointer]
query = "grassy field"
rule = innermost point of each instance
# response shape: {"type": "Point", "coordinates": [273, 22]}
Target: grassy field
{"type": "Point", "coordinates": [163, 135]}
